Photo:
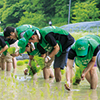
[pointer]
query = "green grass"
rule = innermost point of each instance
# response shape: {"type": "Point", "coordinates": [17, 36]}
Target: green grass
{"type": "Point", "coordinates": [78, 35]}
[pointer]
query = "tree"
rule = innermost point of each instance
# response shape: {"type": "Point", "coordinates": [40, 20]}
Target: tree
{"type": "Point", "coordinates": [39, 12]}
{"type": "Point", "coordinates": [85, 11]}
{"type": "Point", "coordinates": [1, 3]}
{"type": "Point", "coordinates": [32, 18]}
{"type": "Point", "coordinates": [12, 11]}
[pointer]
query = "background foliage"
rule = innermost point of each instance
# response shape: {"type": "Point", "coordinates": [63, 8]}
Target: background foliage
{"type": "Point", "coordinates": [39, 12]}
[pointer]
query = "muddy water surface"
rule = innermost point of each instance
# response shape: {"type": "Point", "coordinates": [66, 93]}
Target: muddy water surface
{"type": "Point", "coordinates": [15, 86]}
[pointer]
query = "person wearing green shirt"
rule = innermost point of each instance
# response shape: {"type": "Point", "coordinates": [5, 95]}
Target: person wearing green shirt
{"type": "Point", "coordinates": [5, 57]}
{"type": "Point", "coordinates": [55, 40]}
{"type": "Point", "coordinates": [84, 50]}
{"type": "Point", "coordinates": [26, 46]}
{"type": "Point", "coordinates": [17, 33]}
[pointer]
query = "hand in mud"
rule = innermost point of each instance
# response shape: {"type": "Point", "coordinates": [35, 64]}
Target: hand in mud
{"type": "Point", "coordinates": [67, 86]}
{"type": "Point", "coordinates": [25, 71]}
{"type": "Point", "coordinates": [82, 76]}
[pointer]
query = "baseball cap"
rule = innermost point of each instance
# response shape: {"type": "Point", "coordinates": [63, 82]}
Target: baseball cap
{"type": "Point", "coordinates": [81, 47]}
{"type": "Point", "coordinates": [28, 34]}
{"type": "Point", "coordinates": [22, 44]}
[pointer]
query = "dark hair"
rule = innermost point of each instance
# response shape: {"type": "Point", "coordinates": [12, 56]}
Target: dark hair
{"type": "Point", "coordinates": [8, 30]}
{"type": "Point", "coordinates": [35, 33]}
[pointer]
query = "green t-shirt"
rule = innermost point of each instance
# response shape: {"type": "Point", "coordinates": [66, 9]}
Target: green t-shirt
{"type": "Point", "coordinates": [95, 37]}
{"type": "Point", "coordinates": [85, 60]}
{"type": "Point", "coordinates": [23, 28]}
{"type": "Point", "coordinates": [36, 51]}
{"type": "Point", "coordinates": [45, 44]}
{"type": "Point", "coordinates": [53, 29]}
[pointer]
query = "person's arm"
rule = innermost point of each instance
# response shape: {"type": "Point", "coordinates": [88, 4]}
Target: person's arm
{"type": "Point", "coordinates": [4, 49]}
{"type": "Point", "coordinates": [52, 41]}
{"type": "Point", "coordinates": [55, 51]}
{"type": "Point", "coordinates": [16, 54]}
{"type": "Point", "coordinates": [69, 71]}
{"type": "Point", "coordinates": [26, 69]}
{"type": "Point", "coordinates": [30, 59]}
{"type": "Point", "coordinates": [3, 44]}
{"type": "Point", "coordinates": [91, 63]}
{"type": "Point", "coordinates": [88, 68]}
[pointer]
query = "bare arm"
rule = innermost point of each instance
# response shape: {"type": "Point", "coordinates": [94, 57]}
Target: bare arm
{"type": "Point", "coordinates": [26, 69]}
{"type": "Point", "coordinates": [16, 54]}
{"type": "Point", "coordinates": [88, 68]}
{"type": "Point", "coordinates": [30, 59]}
{"type": "Point", "coordinates": [55, 51]}
{"type": "Point", "coordinates": [4, 49]}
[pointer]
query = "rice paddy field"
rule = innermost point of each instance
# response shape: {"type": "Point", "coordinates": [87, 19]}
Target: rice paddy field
{"type": "Point", "coordinates": [77, 35]}
{"type": "Point", "coordinates": [15, 85]}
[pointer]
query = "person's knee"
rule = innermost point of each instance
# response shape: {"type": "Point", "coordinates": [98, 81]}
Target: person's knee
{"type": "Point", "coordinates": [48, 73]}
{"type": "Point", "coordinates": [93, 71]}
{"type": "Point", "coordinates": [45, 73]}
{"type": "Point", "coordinates": [51, 73]}
{"type": "Point", "coordinates": [51, 76]}
{"type": "Point", "coordinates": [9, 66]}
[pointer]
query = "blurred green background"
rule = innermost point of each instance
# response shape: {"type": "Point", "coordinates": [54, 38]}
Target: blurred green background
{"type": "Point", "coordinates": [39, 12]}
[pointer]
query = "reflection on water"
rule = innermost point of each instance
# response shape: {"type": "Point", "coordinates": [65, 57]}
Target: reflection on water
{"type": "Point", "coordinates": [15, 86]}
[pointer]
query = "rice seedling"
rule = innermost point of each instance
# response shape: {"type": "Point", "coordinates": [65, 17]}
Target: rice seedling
{"type": "Point", "coordinates": [37, 63]}
{"type": "Point", "coordinates": [20, 63]}
{"type": "Point", "coordinates": [42, 94]}
{"type": "Point", "coordinates": [77, 77]}
{"type": "Point", "coordinates": [11, 50]}
{"type": "Point", "coordinates": [26, 61]}
{"type": "Point", "coordinates": [62, 71]}
{"type": "Point", "coordinates": [12, 74]}
{"type": "Point", "coordinates": [15, 76]}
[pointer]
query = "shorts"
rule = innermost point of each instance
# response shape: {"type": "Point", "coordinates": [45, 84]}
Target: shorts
{"type": "Point", "coordinates": [7, 58]}
{"type": "Point", "coordinates": [61, 61]}
{"type": "Point", "coordinates": [48, 64]}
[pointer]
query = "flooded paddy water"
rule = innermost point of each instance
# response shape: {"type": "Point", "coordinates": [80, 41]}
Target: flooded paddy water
{"type": "Point", "coordinates": [16, 86]}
